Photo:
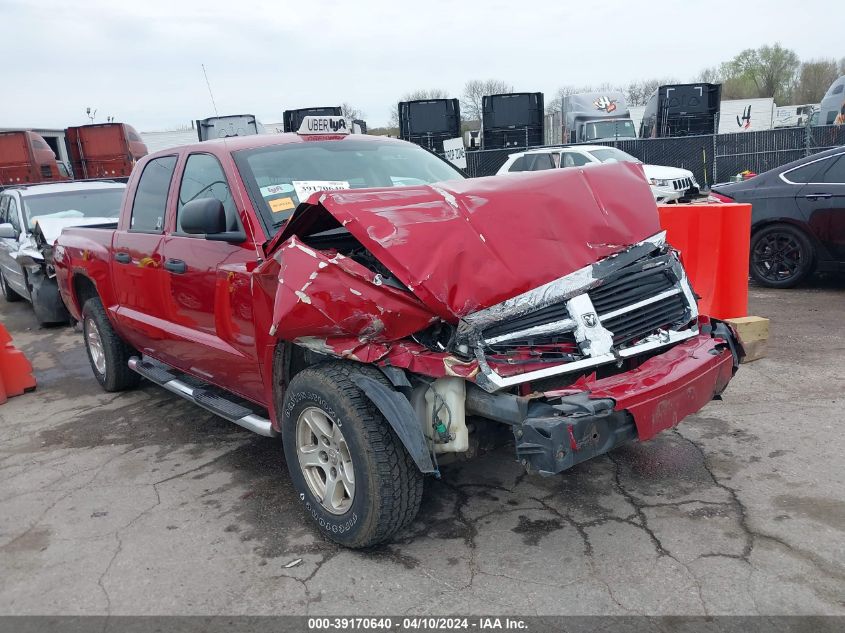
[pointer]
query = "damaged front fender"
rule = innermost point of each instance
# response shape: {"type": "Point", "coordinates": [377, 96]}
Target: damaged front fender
{"type": "Point", "coordinates": [333, 305]}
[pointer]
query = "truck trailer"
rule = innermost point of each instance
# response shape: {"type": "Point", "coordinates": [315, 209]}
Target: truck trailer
{"type": "Point", "coordinates": [596, 116]}
{"type": "Point", "coordinates": [104, 150]}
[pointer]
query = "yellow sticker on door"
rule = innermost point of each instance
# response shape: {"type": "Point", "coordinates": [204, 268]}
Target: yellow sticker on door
{"type": "Point", "coordinates": [281, 204]}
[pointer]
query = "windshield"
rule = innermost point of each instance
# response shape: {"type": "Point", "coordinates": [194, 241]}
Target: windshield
{"type": "Point", "coordinates": [90, 203]}
{"type": "Point", "coordinates": [282, 176]}
{"type": "Point", "coordinates": [611, 154]}
{"type": "Point", "coordinates": [609, 129]}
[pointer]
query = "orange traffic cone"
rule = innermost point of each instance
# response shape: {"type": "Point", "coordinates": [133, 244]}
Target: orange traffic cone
{"type": "Point", "coordinates": [15, 370]}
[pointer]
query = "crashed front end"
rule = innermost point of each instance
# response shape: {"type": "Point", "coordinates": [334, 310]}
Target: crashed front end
{"type": "Point", "coordinates": [451, 290]}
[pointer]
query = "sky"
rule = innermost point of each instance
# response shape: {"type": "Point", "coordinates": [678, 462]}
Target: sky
{"type": "Point", "coordinates": [141, 61]}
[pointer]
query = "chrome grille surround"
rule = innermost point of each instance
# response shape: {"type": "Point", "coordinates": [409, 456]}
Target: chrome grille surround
{"type": "Point", "coordinates": [642, 292]}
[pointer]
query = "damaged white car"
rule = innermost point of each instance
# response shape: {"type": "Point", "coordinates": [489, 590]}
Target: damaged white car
{"type": "Point", "coordinates": [31, 218]}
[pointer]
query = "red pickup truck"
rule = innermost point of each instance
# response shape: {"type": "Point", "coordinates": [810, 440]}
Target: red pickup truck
{"type": "Point", "coordinates": [362, 299]}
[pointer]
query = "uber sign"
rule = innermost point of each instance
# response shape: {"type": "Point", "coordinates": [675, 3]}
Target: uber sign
{"type": "Point", "coordinates": [455, 153]}
{"type": "Point", "coordinates": [323, 125]}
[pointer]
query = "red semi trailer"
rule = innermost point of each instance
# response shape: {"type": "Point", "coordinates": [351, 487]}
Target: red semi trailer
{"type": "Point", "coordinates": [104, 150]}
{"type": "Point", "coordinates": [25, 158]}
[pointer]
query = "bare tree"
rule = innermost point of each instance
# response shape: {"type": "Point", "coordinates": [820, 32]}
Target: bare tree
{"type": "Point", "coordinates": [709, 75]}
{"type": "Point", "coordinates": [814, 78]}
{"type": "Point", "coordinates": [637, 93]}
{"type": "Point", "coordinates": [556, 104]}
{"type": "Point", "coordinates": [475, 90]}
{"type": "Point", "coordinates": [351, 112]}
{"type": "Point", "coordinates": [416, 95]}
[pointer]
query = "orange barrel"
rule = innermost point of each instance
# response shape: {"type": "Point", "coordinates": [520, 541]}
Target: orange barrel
{"type": "Point", "coordinates": [714, 240]}
{"type": "Point", "coordinates": [15, 370]}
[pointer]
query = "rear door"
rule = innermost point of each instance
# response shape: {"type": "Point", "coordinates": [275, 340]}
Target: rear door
{"type": "Point", "coordinates": [208, 303]}
{"type": "Point", "coordinates": [823, 204]}
{"type": "Point", "coordinates": [136, 259]}
{"type": "Point", "coordinates": [12, 271]}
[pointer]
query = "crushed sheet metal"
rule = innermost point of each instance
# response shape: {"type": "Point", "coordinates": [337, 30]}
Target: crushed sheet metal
{"type": "Point", "coordinates": [432, 241]}
{"type": "Point", "coordinates": [331, 303]}
{"type": "Point", "coordinates": [554, 291]}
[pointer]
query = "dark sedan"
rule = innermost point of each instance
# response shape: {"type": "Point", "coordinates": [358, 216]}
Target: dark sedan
{"type": "Point", "coordinates": [797, 218]}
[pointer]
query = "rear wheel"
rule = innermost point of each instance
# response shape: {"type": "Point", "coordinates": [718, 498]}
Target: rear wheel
{"type": "Point", "coordinates": [781, 256]}
{"type": "Point", "coordinates": [349, 468]}
{"type": "Point", "coordinates": [107, 353]}
{"type": "Point", "coordinates": [8, 294]}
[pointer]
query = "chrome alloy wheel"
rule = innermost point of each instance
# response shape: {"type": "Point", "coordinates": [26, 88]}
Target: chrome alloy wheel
{"type": "Point", "coordinates": [95, 346]}
{"type": "Point", "coordinates": [325, 460]}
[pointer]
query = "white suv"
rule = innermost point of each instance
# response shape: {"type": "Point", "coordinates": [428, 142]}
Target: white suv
{"type": "Point", "coordinates": [668, 184]}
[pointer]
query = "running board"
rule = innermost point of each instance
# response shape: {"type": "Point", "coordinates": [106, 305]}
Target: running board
{"type": "Point", "coordinates": [209, 398]}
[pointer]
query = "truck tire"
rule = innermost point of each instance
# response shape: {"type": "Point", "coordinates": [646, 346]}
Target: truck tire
{"type": "Point", "coordinates": [107, 353]}
{"type": "Point", "coordinates": [8, 294]}
{"type": "Point", "coordinates": [335, 439]}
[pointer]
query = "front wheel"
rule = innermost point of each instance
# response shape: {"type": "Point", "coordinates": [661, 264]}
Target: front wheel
{"type": "Point", "coordinates": [107, 353]}
{"type": "Point", "coordinates": [781, 256]}
{"type": "Point", "coordinates": [350, 470]}
{"type": "Point", "coordinates": [8, 294]}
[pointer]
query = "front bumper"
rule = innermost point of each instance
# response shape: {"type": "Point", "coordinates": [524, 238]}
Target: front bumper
{"type": "Point", "coordinates": [591, 417]}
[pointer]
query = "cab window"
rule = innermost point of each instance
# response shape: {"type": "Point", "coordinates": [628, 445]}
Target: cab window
{"type": "Point", "coordinates": [538, 162]}
{"type": "Point", "coordinates": [518, 165]}
{"type": "Point", "coordinates": [12, 215]}
{"type": "Point", "coordinates": [150, 204]}
{"type": "Point", "coordinates": [574, 159]}
{"type": "Point", "coordinates": [204, 178]}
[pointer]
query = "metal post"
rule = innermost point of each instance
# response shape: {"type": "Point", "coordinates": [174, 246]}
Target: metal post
{"type": "Point", "coordinates": [808, 136]}
{"type": "Point", "coordinates": [715, 170]}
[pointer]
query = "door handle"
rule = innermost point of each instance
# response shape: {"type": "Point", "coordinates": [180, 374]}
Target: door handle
{"type": "Point", "coordinates": [176, 266]}
{"type": "Point", "coordinates": [122, 258]}
{"type": "Point", "coordinates": [818, 196]}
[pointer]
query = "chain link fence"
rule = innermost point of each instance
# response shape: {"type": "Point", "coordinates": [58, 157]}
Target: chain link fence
{"type": "Point", "coordinates": [711, 157]}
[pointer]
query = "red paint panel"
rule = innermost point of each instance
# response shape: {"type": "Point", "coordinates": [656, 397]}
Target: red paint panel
{"type": "Point", "coordinates": [666, 388]}
{"type": "Point", "coordinates": [462, 246]}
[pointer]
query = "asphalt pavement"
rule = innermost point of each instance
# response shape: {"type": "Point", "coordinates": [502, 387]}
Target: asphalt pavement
{"type": "Point", "coordinates": [140, 503]}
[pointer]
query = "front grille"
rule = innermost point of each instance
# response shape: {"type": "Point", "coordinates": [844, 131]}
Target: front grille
{"type": "Point", "coordinates": [634, 283]}
{"type": "Point", "coordinates": [634, 325]}
{"type": "Point", "coordinates": [548, 314]}
{"type": "Point", "coordinates": [681, 184]}
{"type": "Point", "coordinates": [616, 302]}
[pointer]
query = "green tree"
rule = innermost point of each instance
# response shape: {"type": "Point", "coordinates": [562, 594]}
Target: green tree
{"type": "Point", "coordinates": [768, 71]}
{"type": "Point", "coordinates": [814, 79]}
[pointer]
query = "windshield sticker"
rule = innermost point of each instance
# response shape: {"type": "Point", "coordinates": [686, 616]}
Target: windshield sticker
{"type": "Point", "coordinates": [274, 190]}
{"type": "Point", "coordinates": [278, 205]}
{"type": "Point", "coordinates": [304, 188]}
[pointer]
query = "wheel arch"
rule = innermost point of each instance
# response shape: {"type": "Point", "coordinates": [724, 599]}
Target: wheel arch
{"type": "Point", "coordinates": [378, 386]}
{"type": "Point", "coordinates": [82, 288]}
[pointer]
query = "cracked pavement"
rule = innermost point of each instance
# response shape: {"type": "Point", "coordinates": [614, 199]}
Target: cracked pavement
{"type": "Point", "coordinates": [140, 503]}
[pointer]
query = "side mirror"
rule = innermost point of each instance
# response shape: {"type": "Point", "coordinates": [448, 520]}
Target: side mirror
{"type": "Point", "coordinates": [205, 216]}
{"type": "Point", "coordinates": [8, 232]}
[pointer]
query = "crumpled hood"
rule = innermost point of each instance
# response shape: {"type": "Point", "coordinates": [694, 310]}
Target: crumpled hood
{"type": "Point", "coordinates": [52, 227]}
{"type": "Point", "coordinates": [462, 246]}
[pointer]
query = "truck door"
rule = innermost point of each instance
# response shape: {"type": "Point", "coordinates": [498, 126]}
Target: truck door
{"type": "Point", "coordinates": [209, 303]}
{"type": "Point", "coordinates": [823, 204]}
{"type": "Point", "coordinates": [136, 261]}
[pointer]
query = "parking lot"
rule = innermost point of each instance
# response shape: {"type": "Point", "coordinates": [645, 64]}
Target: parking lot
{"type": "Point", "coordinates": [140, 503]}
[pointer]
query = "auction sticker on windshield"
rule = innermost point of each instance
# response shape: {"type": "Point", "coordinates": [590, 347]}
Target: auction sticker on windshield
{"type": "Point", "coordinates": [305, 188]}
